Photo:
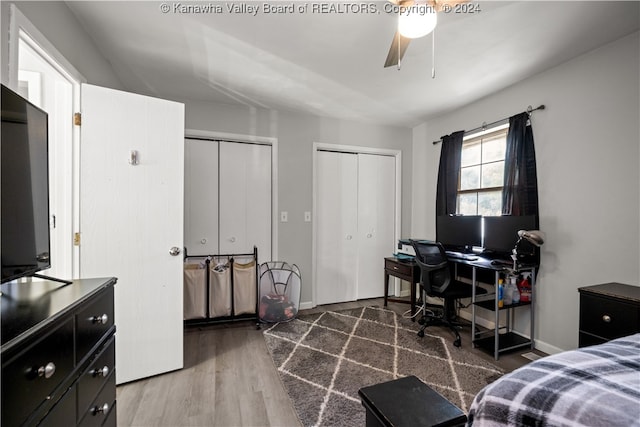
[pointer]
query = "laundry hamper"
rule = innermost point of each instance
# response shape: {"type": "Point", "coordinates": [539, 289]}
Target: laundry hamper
{"type": "Point", "coordinates": [279, 291]}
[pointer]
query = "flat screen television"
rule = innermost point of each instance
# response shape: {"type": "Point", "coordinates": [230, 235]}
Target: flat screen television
{"type": "Point", "coordinates": [501, 232]}
{"type": "Point", "coordinates": [459, 232]}
{"type": "Point", "coordinates": [24, 216]}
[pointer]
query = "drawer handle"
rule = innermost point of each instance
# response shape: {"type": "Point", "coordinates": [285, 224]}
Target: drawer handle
{"type": "Point", "coordinates": [395, 268]}
{"type": "Point", "coordinates": [606, 318]}
{"type": "Point", "coordinates": [100, 409]}
{"type": "Point", "coordinates": [100, 320]}
{"type": "Point", "coordinates": [47, 371]}
{"type": "Point", "coordinates": [100, 372]}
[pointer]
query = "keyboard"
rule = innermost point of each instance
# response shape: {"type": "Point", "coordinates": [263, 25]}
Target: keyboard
{"type": "Point", "coordinates": [460, 255]}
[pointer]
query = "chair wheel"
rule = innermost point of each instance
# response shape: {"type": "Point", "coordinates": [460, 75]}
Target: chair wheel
{"type": "Point", "coordinates": [422, 321]}
{"type": "Point", "coordinates": [457, 342]}
{"type": "Point", "coordinates": [421, 333]}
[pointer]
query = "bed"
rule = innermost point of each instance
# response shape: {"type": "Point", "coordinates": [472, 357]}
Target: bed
{"type": "Point", "coordinates": [591, 386]}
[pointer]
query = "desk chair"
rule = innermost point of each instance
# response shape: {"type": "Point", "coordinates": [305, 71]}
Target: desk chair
{"type": "Point", "coordinates": [436, 281]}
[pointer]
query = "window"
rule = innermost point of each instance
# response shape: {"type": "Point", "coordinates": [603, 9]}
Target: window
{"type": "Point", "coordinates": [482, 173]}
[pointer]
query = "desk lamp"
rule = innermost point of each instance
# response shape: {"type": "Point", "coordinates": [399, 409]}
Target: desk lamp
{"type": "Point", "coordinates": [535, 237]}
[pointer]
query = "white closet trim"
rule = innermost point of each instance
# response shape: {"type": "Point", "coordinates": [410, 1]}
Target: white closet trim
{"type": "Point", "coordinates": [231, 137]}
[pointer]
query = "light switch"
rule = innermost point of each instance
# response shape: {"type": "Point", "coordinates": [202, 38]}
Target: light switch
{"type": "Point", "coordinates": [284, 216]}
{"type": "Point", "coordinates": [307, 216]}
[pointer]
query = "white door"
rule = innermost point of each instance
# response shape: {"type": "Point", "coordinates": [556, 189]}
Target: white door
{"type": "Point", "coordinates": [245, 199]}
{"type": "Point", "coordinates": [376, 220]}
{"type": "Point", "coordinates": [131, 217]}
{"type": "Point", "coordinates": [201, 197]}
{"type": "Point", "coordinates": [337, 225]}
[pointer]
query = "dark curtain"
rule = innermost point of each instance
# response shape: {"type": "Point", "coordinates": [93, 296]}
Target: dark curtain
{"type": "Point", "coordinates": [448, 172]}
{"type": "Point", "coordinates": [520, 191]}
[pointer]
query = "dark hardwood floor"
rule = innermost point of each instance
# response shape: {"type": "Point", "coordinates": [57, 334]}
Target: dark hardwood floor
{"type": "Point", "coordinates": [229, 380]}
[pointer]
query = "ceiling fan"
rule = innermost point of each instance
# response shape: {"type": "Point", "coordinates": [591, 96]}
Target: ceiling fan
{"type": "Point", "coordinates": [416, 18]}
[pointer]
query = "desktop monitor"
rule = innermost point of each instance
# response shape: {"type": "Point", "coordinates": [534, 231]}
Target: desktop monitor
{"type": "Point", "coordinates": [501, 232]}
{"type": "Point", "coordinates": [459, 232]}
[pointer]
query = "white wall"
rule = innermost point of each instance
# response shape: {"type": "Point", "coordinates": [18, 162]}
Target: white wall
{"type": "Point", "coordinates": [587, 148]}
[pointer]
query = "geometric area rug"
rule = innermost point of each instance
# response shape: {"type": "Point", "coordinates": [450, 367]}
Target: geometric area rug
{"type": "Point", "coordinates": [323, 359]}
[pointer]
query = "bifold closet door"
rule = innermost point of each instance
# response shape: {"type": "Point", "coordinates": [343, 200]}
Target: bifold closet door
{"type": "Point", "coordinates": [376, 220]}
{"type": "Point", "coordinates": [337, 226]}
{"type": "Point", "coordinates": [201, 197]}
{"type": "Point", "coordinates": [245, 199]}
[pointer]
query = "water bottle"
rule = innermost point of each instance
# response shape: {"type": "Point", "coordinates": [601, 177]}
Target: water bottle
{"type": "Point", "coordinates": [508, 294]}
{"type": "Point", "coordinates": [500, 293]}
{"type": "Point", "coordinates": [514, 287]}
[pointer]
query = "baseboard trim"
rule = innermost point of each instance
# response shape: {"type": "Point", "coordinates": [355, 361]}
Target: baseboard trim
{"type": "Point", "coordinates": [306, 305]}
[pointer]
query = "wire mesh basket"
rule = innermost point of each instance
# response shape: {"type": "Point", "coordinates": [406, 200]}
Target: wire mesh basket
{"type": "Point", "coordinates": [279, 291]}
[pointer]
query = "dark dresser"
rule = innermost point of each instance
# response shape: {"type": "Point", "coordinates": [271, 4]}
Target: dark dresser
{"type": "Point", "coordinates": [608, 311]}
{"type": "Point", "coordinates": [58, 353]}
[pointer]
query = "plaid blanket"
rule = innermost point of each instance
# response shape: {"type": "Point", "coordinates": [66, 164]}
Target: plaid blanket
{"type": "Point", "coordinates": [591, 386]}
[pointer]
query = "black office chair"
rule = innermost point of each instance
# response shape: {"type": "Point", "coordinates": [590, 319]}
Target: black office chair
{"type": "Point", "coordinates": [437, 281]}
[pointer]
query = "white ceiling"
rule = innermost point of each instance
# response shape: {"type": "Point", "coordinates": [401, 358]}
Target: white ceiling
{"type": "Point", "coordinates": [331, 64]}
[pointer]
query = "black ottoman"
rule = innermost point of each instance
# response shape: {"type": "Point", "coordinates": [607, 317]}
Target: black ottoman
{"type": "Point", "coordinates": [408, 402]}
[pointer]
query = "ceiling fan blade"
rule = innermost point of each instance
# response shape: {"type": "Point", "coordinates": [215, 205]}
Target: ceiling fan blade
{"type": "Point", "coordinates": [392, 57]}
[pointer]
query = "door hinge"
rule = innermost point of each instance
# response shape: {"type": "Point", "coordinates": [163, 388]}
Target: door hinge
{"type": "Point", "coordinates": [76, 239]}
{"type": "Point", "coordinates": [77, 119]}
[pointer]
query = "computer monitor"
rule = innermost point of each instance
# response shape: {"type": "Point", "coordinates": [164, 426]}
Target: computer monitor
{"type": "Point", "coordinates": [501, 232]}
{"type": "Point", "coordinates": [459, 232]}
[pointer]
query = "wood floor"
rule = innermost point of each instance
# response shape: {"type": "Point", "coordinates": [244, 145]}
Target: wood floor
{"type": "Point", "coordinates": [229, 380]}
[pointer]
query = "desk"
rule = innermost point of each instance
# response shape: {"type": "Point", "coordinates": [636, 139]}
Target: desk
{"type": "Point", "coordinates": [494, 340]}
{"type": "Point", "coordinates": [405, 269]}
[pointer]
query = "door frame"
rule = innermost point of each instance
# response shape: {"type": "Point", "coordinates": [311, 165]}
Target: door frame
{"type": "Point", "coordinates": [354, 149]}
{"type": "Point", "coordinates": [251, 139]}
{"type": "Point", "coordinates": [21, 28]}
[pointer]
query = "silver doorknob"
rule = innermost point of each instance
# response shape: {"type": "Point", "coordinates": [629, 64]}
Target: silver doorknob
{"type": "Point", "coordinates": [174, 251]}
{"type": "Point", "coordinates": [232, 239]}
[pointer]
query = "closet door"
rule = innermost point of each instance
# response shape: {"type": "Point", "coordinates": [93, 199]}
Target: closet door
{"type": "Point", "coordinates": [245, 199]}
{"type": "Point", "coordinates": [201, 197]}
{"type": "Point", "coordinates": [376, 220]}
{"type": "Point", "coordinates": [337, 226]}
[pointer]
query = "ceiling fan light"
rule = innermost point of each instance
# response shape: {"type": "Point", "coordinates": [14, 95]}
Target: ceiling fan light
{"type": "Point", "coordinates": [416, 21]}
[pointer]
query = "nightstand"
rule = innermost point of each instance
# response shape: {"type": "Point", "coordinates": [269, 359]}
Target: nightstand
{"type": "Point", "coordinates": [608, 311]}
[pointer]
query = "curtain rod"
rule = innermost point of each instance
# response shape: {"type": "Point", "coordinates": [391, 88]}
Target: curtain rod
{"type": "Point", "coordinates": [484, 126]}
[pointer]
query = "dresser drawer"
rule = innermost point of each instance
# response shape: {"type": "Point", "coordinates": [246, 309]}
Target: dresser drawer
{"type": "Point", "coordinates": [95, 376]}
{"type": "Point", "coordinates": [398, 268]}
{"type": "Point", "coordinates": [92, 323]}
{"type": "Point", "coordinates": [608, 318]}
{"type": "Point", "coordinates": [103, 404]}
{"type": "Point", "coordinates": [32, 377]}
{"type": "Point", "coordinates": [63, 414]}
